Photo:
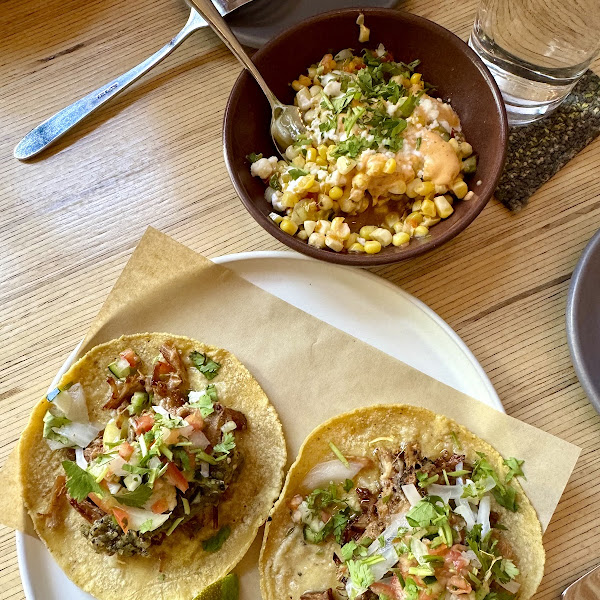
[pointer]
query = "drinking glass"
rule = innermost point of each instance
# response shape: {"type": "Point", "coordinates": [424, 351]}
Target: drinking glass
{"type": "Point", "coordinates": [536, 50]}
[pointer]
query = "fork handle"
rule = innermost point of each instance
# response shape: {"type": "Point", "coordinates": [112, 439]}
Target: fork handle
{"type": "Point", "coordinates": [56, 126]}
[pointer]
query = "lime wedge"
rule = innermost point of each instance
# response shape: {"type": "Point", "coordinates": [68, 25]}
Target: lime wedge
{"type": "Point", "coordinates": [227, 588]}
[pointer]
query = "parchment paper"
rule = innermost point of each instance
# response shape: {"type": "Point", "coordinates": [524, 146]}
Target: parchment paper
{"type": "Point", "coordinates": [310, 370]}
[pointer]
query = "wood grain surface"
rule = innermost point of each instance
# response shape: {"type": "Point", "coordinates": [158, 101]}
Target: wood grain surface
{"type": "Point", "coordinates": [70, 220]}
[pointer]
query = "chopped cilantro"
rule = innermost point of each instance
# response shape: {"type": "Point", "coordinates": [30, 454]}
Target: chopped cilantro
{"type": "Point", "coordinates": [80, 483]}
{"type": "Point", "coordinates": [418, 144]}
{"type": "Point", "coordinates": [137, 498]}
{"type": "Point", "coordinates": [296, 173]}
{"type": "Point", "coordinates": [274, 183]}
{"type": "Point", "coordinates": [328, 125]}
{"type": "Point", "coordinates": [411, 589]}
{"type": "Point", "coordinates": [204, 400]}
{"type": "Point", "coordinates": [226, 445]}
{"type": "Point", "coordinates": [207, 366]}
{"type": "Point", "coordinates": [422, 514]}
{"type": "Point", "coordinates": [52, 419]}
{"type": "Point", "coordinates": [409, 105]}
{"type": "Point", "coordinates": [424, 480]}
{"type": "Point", "coordinates": [326, 102]}
{"type": "Point", "coordinates": [252, 157]}
{"type": "Point", "coordinates": [347, 550]}
{"type": "Point", "coordinates": [348, 485]}
{"type": "Point", "coordinates": [341, 102]}
{"type": "Point", "coordinates": [514, 466]}
{"type": "Point", "coordinates": [214, 543]}
{"type": "Point", "coordinates": [146, 526]}
{"type": "Point", "coordinates": [353, 116]}
{"type": "Point", "coordinates": [353, 146]}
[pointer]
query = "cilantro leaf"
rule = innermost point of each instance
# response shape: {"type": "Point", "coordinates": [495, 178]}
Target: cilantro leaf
{"type": "Point", "coordinates": [274, 183]}
{"type": "Point", "coordinates": [204, 400]}
{"type": "Point", "coordinates": [207, 366]}
{"type": "Point", "coordinates": [137, 498]}
{"type": "Point", "coordinates": [409, 105]}
{"type": "Point", "coordinates": [424, 480]}
{"type": "Point", "coordinates": [514, 466]}
{"type": "Point", "coordinates": [341, 102]}
{"type": "Point", "coordinates": [252, 157]}
{"type": "Point", "coordinates": [146, 526]}
{"type": "Point", "coordinates": [353, 146]}
{"type": "Point", "coordinates": [51, 420]}
{"type": "Point", "coordinates": [328, 125]}
{"type": "Point", "coordinates": [506, 496]}
{"type": "Point", "coordinates": [348, 485]}
{"type": "Point", "coordinates": [360, 574]}
{"type": "Point", "coordinates": [411, 589]}
{"type": "Point", "coordinates": [226, 444]}
{"type": "Point", "coordinates": [80, 483]}
{"type": "Point", "coordinates": [214, 543]}
{"type": "Point", "coordinates": [296, 173]}
{"type": "Point", "coordinates": [347, 550]}
{"type": "Point", "coordinates": [421, 514]}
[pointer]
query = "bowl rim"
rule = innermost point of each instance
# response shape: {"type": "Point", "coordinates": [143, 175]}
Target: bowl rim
{"type": "Point", "coordinates": [417, 247]}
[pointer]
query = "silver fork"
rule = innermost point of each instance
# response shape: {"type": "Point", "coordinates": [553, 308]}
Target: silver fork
{"type": "Point", "coordinates": [56, 126]}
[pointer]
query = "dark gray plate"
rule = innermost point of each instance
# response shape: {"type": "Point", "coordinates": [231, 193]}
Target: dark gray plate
{"type": "Point", "coordinates": [255, 23]}
{"type": "Point", "coordinates": [583, 320]}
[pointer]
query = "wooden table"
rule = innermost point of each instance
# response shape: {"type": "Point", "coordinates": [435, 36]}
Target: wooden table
{"type": "Point", "coordinates": [70, 221]}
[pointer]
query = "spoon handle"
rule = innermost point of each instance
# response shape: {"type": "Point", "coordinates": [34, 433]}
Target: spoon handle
{"type": "Point", "coordinates": [56, 126]}
{"type": "Point", "coordinates": [220, 27]}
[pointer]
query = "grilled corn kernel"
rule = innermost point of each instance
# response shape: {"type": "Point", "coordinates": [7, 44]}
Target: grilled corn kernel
{"type": "Point", "coordinates": [390, 166]}
{"type": "Point", "coordinates": [314, 90]}
{"type": "Point", "coordinates": [428, 208]}
{"type": "Point", "coordinates": [321, 161]}
{"type": "Point", "coordinates": [360, 181]}
{"type": "Point", "coordinates": [352, 239]}
{"type": "Point", "coordinates": [312, 72]}
{"type": "Point", "coordinates": [372, 247]}
{"type": "Point", "coordinates": [291, 152]}
{"type": "Point", "coordinates": [275, 217]}
{"type": "Point", "coordinates": [322, 150]}
{"type": "Point", "coordinates": [298, 161]}
{"type": "Point", "coordinates": [440, 189]}
{"type": "Point", "coordinates": [383, 236]}
{"type": "Point", "coordinates": [339, 228]}
{"type": "Point", "coordinates": [304, 80]}
{"type": "Point", "coordinates": [296, 85]}
{"type": "Point", "coordinates": [454, 143]}
{"type": "Point", "coordinates": [375, 165]}
{"type": "Point", "coordinates": [469, 195]}
{"type": "Point", "coordinates": [416, 206]}
{"type": "Point", "coordinates": [302, 235]}
{"type": "Point", "coordinates": [398, 187]}
{"type": "Point", "coordinates": [317, 240]}
{"type": "Point", "coordinates": [305, 182]}
{"type": "Point", "coordinates": [289, 199]}
{"type": "Point", "coordinates": [426, 188]}
{"type": "Point", "coordinates": [449, 199]}
{"type": "Point", "coordinates": [414, 219]}
{"type": "Point", "coordinates": [345, 165]}
{"type": "Point", "coordinates": [421, 231]}
{"type": "Point", "coordinates": [415, 78]}
{"type": "Point", "coordinates": [334, 243]}
{"type": "Point", "coordinates": [400, 238]}
{"type": "Point", "coordinates": [460, 189]}
{"type": "Point", "coordinates": [311, 155]}
{"type": "Point", "coordinates": [288, 226]}
{"type": "Point", "coordinates": [285, 177]}
{"type": "Point", "coordinates": [356, 247]}
{"type": "Point", "coordinates": [398, 227]}
{"type": "Point", "coordinates": [325, 202]}
{"type": "Point", "coordinates": [391, 219]}
{"type": "Point", "coordinates": [431, 221]}
{"type": "Point", "coordinates": [309, 226]}
{"type": "Point", "coordinates": [466, 149]}
{"type": "Point", "coordinates": [444, 208]}
{"type": "Point", "coordinates": [411, 188]}
{"type": "Point", "coordinates": [336, 192]}
{"type": "Point", "coordinates": [366, 231]}
{"type": "Point", "coordinates": [322, 226]}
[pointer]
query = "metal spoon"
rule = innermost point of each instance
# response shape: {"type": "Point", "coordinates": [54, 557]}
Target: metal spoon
{"type": "Point", "coordinates": [286, 121]}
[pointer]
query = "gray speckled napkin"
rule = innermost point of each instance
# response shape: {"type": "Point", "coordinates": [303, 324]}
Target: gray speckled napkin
{"type": "Point", "coordinates": [539, 150]}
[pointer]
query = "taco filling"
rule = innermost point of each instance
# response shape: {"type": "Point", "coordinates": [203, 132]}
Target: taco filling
{"type": "Point", "coordinates": [404, 526]}
{"type": "Point", "coordinates": [163, 461]}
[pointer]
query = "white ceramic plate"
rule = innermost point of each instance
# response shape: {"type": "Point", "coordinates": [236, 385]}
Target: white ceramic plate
{"type": "Point", "coordinates": [355, 301]}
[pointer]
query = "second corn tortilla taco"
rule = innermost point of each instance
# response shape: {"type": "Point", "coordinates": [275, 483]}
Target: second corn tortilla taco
{"type": "Point", "coordinates": [151, 469]}
{"type": "Point", "coordinates": [399, 503]}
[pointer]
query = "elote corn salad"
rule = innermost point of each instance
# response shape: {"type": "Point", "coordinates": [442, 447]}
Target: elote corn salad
{"type": "Point", "coordinates": [381, 160]}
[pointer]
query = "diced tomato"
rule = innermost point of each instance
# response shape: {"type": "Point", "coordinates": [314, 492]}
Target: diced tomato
{"type": "Point", "coordinates": [392, 590]}
{"type": "Point", "coordinates": [195, 420]}
{"type": "Point", "coordinates": [175, 477]}
{"type": "Point", "coordinates": [103, 503]}
{"type": "Point", "coordinates": [131, 357]}
{"type": "Point", "coordinates": [143, 424]}
{"type": "Point", "coordinates": [455, 561]}
{"type": "Point", "coordinates": [125, 450]}
{"type": "Point", "coordinates": [122, 518]}
{"type": "Point", "coordinates": [160, 506]}
{"type": "Point", "coordinates": [161, 368]}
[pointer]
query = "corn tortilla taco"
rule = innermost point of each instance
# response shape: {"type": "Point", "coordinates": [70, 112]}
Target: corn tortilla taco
{"type": "Point", "coordinates": [149, 470]}
{"type": "Point", "coordinates": [395, 502]}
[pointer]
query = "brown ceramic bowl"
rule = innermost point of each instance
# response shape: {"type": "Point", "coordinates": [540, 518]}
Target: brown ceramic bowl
{"type": "Point", "coordinates": [446, 62]}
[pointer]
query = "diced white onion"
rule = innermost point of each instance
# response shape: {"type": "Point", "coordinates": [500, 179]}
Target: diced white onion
{"type": "Point", "coordinates": [114, 488]}
{"type": "Point", "coordinates": [459, 467]}
{"type": "Point", "coordinates": [116, 466]}
{"type": "Point", "coordinates": [511, 586]}
{"type": "Point", "coordinates": [139, 516]}
{"type": "Point", "coordinates": [54, 445]}
{"type": "Point", "coordinates": [229, 426]}
{"type": "Point", "coordinates": [483, 515]}
{"type": "Point", "coordinates": [204, 469]}
{"type": "Point", "coordinates": [162, 411]}
{"type": "Point", "coordinates": [199, 440]}
{"type": "Point", "coordinates": [472, 558]}
{"type": "Point", "coordinates": [78, 434]}
{"type": "Point", "coordinates": [411, 493]}
{"type": "Point", "coordinates": [463, 509]}
{"type": "Point", "coordinates": [80, 459]}
{"type": "Point", "coordinates": [445, 491]}
{"type": "Point", "coordinates": [344, 54]}
{"type": "Point", "coordinates": [419, 550]}
{"type": "Point", "coordinates": [72, 403]}
{"type": "Point", "coordinates": [333, 471]}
